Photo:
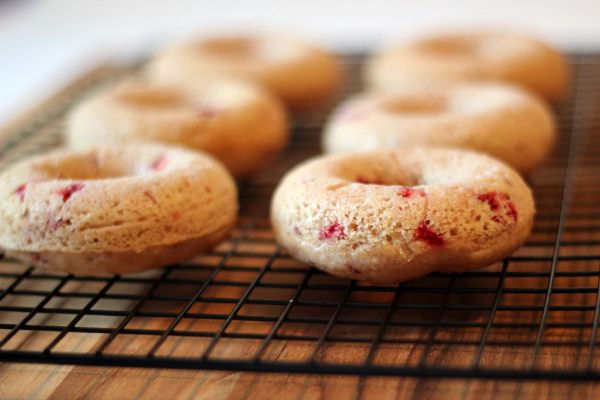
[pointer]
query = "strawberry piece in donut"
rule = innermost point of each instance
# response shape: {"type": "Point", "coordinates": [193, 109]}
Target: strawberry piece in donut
{"type": "Point", "coordinates": [443, 210]}
{"type": "Point", "coordinates": [105, 214]}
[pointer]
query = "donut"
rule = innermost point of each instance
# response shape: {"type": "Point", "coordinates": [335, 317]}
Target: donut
{"type": "Point", "coordinates": [394, 215]}
{"type": "Point", "coordinates": [115, 210]}
{"type": "Point", "coordinates": [503, 120]}
{"type": "Point", "coordinates": [459, 57]}
{"type": "Point", "coordinates": [301, 75]}
{"type": "Point", "coordinates": [240, 124]}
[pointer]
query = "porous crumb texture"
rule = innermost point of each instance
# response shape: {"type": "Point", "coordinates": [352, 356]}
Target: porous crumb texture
{"type": "Point", "coordinates": [302, 76]}
{"type": "Point", "coordinates": [390, 216]}
{"type": "Point", "coordinates": [502, 120]}
{"type": "Point", "coordinates": [461, 57]}
{"type": "Point", "coordinates": [237, 122]}
{"type": "Point", "coordinates": [101, 208]}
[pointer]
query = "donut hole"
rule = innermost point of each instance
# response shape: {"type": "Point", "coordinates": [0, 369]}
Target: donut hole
{"type": "Point", "coordinates": [251, 51]}
{"type": "Point", "coordinates": [89, 166]}
{"type": "Point", "coordinates": [451, 47]}
{"type": "Point", "coordinates": [383, 174]}
{"type": "Point", "coordinates": [414, 104]}
{"type": "Point", "coordinates": [230, 47]}
{"type": "Point", "coordinates": [403, 169]}
{"type": "Point", "coordinates": [149, 96]}
{"type": "Point", "coordinates": [381, 178]}
{"type": "Point", "coordinates": [405, 173]}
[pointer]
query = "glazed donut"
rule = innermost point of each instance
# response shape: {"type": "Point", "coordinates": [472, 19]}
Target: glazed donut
{"type": "Point", "coordinates": [240, 124]}
{"type": "Point", "coordinates": [300, 75]}
{"type": "Point", "coordinates": [394, 215]}
{"type": "Point", "coordinates": [519, 60]}
{"type": "Point", "coordinates": [115, 210]}
{"type": "Point", "coordinates": [502, 120]}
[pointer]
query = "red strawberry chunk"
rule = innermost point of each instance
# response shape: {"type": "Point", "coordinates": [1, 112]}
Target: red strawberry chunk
{"type": "Point", "coordinates": [494, 199]}
{"type": "Point", "coordinates": [498, 202]}
{"type": "Point", "coordinates": [20, 192]}
{"type": "Point", "coordinates": [512, 211]}
{"type": "Point", "coordinates": [408, 192]}
{"type": "Point", "coordinates": [67, 192]}
{"type": "Point", "coordinates": [332, 231]}
{"type": "Point", "coordinates": [427, 235]}
{"type": "Point", "coordinates": [160, 164]}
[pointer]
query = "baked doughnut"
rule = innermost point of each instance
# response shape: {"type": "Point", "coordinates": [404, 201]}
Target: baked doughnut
{"type": "Point", "coordinates": [115, 210]}
{"type": "Point", "coordinates": [239, 123]}
{"type": "Point", "coordinates": [393, 215]}
{"type": "Point", "coordinates": [515, 59]}
{"type": "Point", "coordinates": [302, 76]}
{"type": "Point", "coordinates": [502, 120]}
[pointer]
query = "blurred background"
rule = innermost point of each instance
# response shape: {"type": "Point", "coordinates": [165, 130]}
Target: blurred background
{"type": "Point", "coordinates": [45, 44]}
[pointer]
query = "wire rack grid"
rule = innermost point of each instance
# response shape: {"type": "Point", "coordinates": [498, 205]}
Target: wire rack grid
{"type": "Point", "coordinates": [248, 306]}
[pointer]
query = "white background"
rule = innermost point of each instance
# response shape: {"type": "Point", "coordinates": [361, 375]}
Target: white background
{"type": "Point", "coordinates": [46, 44]}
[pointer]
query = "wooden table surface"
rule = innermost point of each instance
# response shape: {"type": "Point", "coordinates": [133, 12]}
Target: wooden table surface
{"type": "Point", "coordinates": [32, 381]}
{"type": "Point", "coordinates": [43, 381]}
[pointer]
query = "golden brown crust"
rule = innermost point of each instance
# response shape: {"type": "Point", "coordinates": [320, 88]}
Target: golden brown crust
{"type": "Point", "coordinates": [121, 262]}
{"type": "Point", "coordinates": [502, 120]}
{"type": "Point", "coordinates": [302, 76]}
{"type": "Point", "coordinates": [103, 206]}
{"type": "Point", "coordinates": [519, 60]}
{"type": "Point", "coordinates": [390, 216]}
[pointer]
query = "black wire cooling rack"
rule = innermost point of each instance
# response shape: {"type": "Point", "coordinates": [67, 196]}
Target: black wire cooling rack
{"type": "Point", "coordinates": [248, 306]}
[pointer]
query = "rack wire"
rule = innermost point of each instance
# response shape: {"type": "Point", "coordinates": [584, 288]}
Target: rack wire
{"type": "Point", "coordinates": [248, 306]}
